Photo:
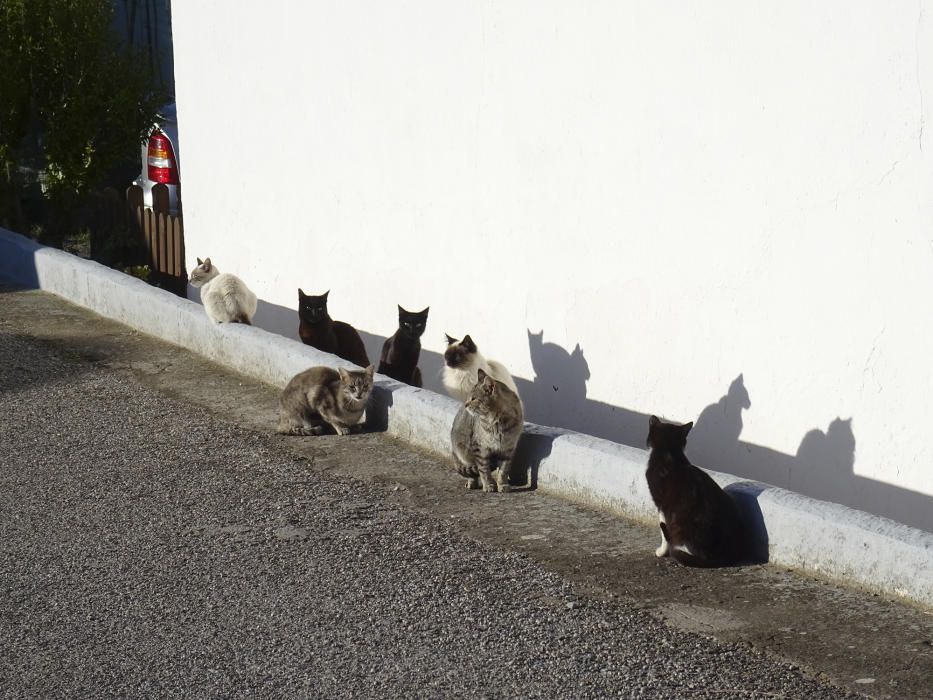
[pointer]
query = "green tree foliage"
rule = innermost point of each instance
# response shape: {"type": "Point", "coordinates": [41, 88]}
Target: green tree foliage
{"type": "Point", "coordinates": [73, 101]}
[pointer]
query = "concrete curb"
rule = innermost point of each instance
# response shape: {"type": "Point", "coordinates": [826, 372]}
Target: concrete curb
{"type": "Point", "coordinates": [816, 536]}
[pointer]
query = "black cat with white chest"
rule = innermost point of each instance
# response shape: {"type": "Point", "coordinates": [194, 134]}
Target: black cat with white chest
{"type": "Point", "coordinates": [700, 524]}
{"type": "Point", "coordinates": [400, 353]}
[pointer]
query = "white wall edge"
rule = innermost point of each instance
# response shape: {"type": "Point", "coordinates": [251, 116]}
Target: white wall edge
{"type": "Point", "coordinates": [815, 536]}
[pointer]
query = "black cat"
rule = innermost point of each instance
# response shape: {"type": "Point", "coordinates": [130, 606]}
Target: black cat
{"type": "Point", "coordinates": [317, 329]}
{"type": "Point", "coordinates": [700, 524]}
{"type": "Point", "coordinates": [400, 353]}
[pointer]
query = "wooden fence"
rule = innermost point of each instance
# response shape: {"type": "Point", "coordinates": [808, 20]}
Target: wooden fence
{"type": "Point", "coordinates": [163, 236]}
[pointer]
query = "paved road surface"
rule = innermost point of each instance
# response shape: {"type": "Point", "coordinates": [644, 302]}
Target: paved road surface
{"type": "Point", "coordinates": [152, 546]}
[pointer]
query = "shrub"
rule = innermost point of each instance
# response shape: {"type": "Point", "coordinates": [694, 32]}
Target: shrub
{"type": "Point", "coordinates": [74, 104]}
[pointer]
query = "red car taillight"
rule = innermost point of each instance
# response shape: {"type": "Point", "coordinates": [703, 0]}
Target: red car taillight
{"type": "Point", "coordinates": [160, 159]}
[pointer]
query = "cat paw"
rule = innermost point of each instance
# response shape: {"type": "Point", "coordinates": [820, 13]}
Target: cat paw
{"type": "Point", "coordinates": [472, 483]}
{"type": "Point", "coordinates": [661, 551]}
{"type": "Point", "coordinates": [489, 487]}
{"type": "Point", "coordinates": [505, 488]}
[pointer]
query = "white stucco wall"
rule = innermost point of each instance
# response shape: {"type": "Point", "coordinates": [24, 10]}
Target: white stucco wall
{"type": "Point", "coordinates": [721, 210]}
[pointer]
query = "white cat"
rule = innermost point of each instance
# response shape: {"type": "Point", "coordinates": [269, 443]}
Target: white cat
{"type": "Point", "coordinates": [462, 359]}
{"type": "Point", "coordinates": [225, 297]}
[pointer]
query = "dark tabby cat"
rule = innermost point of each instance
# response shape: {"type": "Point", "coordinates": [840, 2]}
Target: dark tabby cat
{"type": "Point", "coordinates": [700, 524]}
{"type": "Point", "coordinates": [317, 329]}
{"type": "Point", "coordinates": [400, 352]}
{"type": "Point", "coordinates": [321, 397]}
{"type": "Point", "coordinates": [485, 433]}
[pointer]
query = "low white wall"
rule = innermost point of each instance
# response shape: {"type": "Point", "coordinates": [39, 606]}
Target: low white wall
{"type": "Point", "coordinates": [797, 531]}
{"type": "Point", "coordinates": [715, 211]}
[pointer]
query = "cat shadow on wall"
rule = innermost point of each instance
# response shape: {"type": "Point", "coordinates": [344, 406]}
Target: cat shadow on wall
{"type": "Point", "coordinates": [823, 466]}
{"type": "Point", "coordinates": [714, 438]}
{"type": "Point", "coordinates": [825, 460]}
{"type": "Point", "coordinates": [276, 319]}
{"type": "Point", "coordinates": [557, 395]}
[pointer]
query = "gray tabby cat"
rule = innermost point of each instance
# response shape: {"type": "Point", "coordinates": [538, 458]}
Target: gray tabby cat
{"type": "Point", "coordinates": [320, 397]}
{"type": "Point", "coordinates": [485, 433]}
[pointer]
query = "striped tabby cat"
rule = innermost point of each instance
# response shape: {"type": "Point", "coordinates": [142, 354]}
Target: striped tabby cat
{"type": "Point", "coordinates": [321, 397]}
{"type": "Point", "coordinates": [485, 433]}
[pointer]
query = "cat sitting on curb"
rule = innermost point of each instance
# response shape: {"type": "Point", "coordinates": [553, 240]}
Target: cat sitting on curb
{"type": "Point", "coordinates": [485, 433]}
{"type": "Point", "coordinates": [462, 359]}
{"type": "Point", "coordinates": [700, 524]}
{"type": "Point", "coordinates": [317, 329]}
{"type": "Point", "coordinates": [225, 297]}
{"type": "Point", "coordinates": [323, 397]}
{"type": "Point", "coordinates": [400, 353]}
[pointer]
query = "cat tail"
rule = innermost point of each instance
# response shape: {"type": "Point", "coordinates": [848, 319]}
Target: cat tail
{"type": "Point", "coordinates": [301, 430]}
{"type": "Point", "coordinates": [287, 427]}
{"type": "Point", "coordinates": [467, 471]}
{"type": "Point", "coordinates": [237, 311]}
{"type": "Point", "coordinates": [688, 559]}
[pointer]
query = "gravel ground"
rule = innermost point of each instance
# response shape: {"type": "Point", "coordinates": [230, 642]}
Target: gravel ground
{"type": "Point", "coordinates": [150, 549]}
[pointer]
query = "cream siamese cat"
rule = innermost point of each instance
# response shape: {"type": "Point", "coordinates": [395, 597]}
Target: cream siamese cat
{"type": "Point", "coordinates": [461, 361]}
{"type": "Point", "coordinates": [225, 297]}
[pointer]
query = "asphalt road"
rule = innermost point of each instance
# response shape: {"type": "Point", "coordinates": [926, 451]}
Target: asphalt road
{"type": "Point", "coordinates": [152, 548]}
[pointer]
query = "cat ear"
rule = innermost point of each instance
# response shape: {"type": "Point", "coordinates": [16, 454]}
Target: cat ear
{"type": "Point", "coordinates": [654, 422]}
{"type": "Point", "coordinates": [685, 428]}
{"type": "Point", "coordinates": [450, 339]}
{"type": "Point", "coordinates": [301, 294]}
{"type": "Point", "coordinates": [344, 375]}
{"type": "Point", "coordinates": [200, 262]}
{"type": "Point", "coordinates": [401, 310]}
{"type": "Point", "coordinates": [325, 294]}
{"type": "Point", "coordinates": [425, 312]}
{"type": "Point", "coordinates": [468, 343]}
{"type": "Point", "coordinates": [369, 371]}
{"type": "Point", "coordinates": [484, 380]}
